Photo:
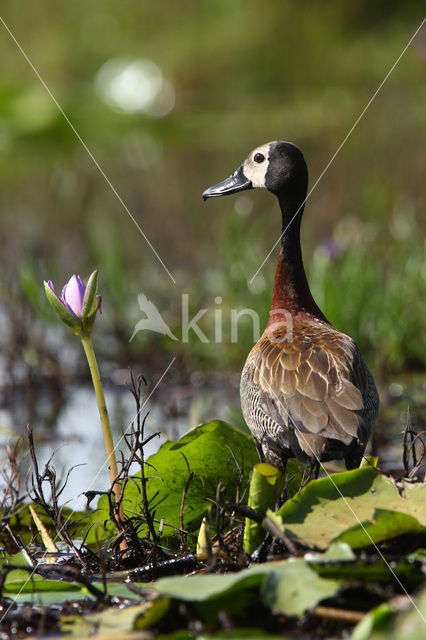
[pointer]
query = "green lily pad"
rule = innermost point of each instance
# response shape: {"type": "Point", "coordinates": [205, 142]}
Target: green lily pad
{"type": "Point", "coordinates": [288, 586]}
{"type": "Point", "coordinates": [22, 523]}
{"type": "Point", "coordinates": [294, 587]}
{"type": "Point", "coordinates": [384, 525]}
{"type": "Point", "coordinates": [208, 453]}
{"type": "Point", "coordinates": [22, 583]}
{"type": "Point", "coordinates": [368, 570]}
{"type": "Point", "coordinates": [375, 621]}
{"type": "Point", "coordinates": [20, 559]}
{"type": "Point", "coordinates": [411, 623]}
{"type": "Point", "coordinates": [113, 621]}
{"type": "Point", "coordinates": [326, 508]}
{"type": "Point", "coordinates": [386, 623]}
{"type": "Point", "coordinates": [209, 587]}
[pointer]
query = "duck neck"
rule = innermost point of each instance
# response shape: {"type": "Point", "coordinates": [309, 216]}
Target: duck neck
{"type": "Point", "coordinates": [291, 289]}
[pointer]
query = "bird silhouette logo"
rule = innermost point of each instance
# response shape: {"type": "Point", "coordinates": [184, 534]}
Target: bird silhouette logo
{"type": "Point", "coordinates": [153, 320]}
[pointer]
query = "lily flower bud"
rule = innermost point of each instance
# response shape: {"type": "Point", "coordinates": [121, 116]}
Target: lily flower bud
{"type": "Point", "coordinates": [78, 303]}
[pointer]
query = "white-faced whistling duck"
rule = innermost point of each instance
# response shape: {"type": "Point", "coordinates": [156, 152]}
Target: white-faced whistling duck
{"type": "Point", "coordinates": [306, 391]}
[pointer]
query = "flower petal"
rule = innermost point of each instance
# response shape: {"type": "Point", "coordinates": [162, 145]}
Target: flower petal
{"type": "Point", "coordinates": [60, 307]}
{"type": "Point", "coordinates": [73, 295]}
{"type": "Point", "coordinates": [52, 288]}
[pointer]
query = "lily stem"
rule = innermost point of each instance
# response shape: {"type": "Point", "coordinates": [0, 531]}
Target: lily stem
{"type": "Point", "coordinates": [103, 414]}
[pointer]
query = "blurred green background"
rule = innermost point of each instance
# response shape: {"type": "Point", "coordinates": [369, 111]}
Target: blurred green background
{"type": "Point", "coordinates": [170, 97]}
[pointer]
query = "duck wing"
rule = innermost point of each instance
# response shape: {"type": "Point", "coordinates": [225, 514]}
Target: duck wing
{"type": "Point", "coordinates": [316, 387]}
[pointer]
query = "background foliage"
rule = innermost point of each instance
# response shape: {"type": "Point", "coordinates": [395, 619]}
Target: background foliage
{"type": "Point", "coordinates": [236, 74]}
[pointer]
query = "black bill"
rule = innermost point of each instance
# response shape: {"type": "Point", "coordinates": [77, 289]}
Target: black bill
{"type": "Point", "coordinates": [236, 182]}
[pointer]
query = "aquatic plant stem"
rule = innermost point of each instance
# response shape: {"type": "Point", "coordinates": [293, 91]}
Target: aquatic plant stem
{"type": "Point", "coordinates": [103, 413]}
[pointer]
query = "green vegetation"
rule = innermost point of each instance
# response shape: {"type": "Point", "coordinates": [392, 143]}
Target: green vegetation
{"type": "Point", "coordinates": [242, 74]}
{"type": "Point", "coordinates": [345, 545]}
{"type": "Point", "coordinates": [169, 98]}
{"type": "Point", "coordinates": [184, 479]}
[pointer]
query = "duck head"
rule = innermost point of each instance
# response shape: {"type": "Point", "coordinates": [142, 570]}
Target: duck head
{"type": "Point", "coordinates": [277, 166]}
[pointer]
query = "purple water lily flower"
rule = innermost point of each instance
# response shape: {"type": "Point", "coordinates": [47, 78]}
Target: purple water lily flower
{"type": "Point", "coordinates": [72, 295]}
{"type": "Point", "coordinates": [78, 303]}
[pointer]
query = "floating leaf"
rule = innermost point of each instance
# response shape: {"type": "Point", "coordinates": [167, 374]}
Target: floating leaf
{"type": "Point", "coordinates": [385, 622]}
{"type": "Point", "coordinates": [209, 587]}
{"type": "Point", "coordinates": [384, 525]}
{"type": "Point", "coordinates": [21, 559]}
{"type": "Point", "coordinates": [22, 523]}
{"type": "Point", "coordinates": [368, 570]}
{"type": "Point", "coordinates": [205, 457]}
{"type": "Point", "coordinates": [288, 586]}
{"type": "Point", "coordinates": [376, 620]}
{"type": "Point", "coordinates": [115, 621]}
{"type": "Point", "coordinates": [294, 587]}
{"type": "Point", "coordinates": [21, 581]}
{"type": "Point", "coordinates": [326, 508]}
{"type": "Point", "coordinates": [411, 623]}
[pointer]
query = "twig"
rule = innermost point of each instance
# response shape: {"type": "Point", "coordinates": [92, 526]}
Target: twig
{"type": "Point", "coordinates": [342, 615]}
{"type": "Point", "coordinates": [277, 533]}
{"type": "Point", "coordinates": [138, 451]}
{"type": "Point", "coordinates": [53, 512]}
{"type": "Point", "coordinates": [411, 440]}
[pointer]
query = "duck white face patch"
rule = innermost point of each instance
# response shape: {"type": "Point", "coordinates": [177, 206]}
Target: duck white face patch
{"type": "Point", "coordinates": [256, 165]}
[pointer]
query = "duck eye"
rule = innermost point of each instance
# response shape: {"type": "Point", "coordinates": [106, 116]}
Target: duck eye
{"type": "Point", "coordinates": [258, 157]}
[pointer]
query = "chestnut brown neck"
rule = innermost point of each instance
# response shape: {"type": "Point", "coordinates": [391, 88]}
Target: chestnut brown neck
{"type": "Point", "coordinates": [291, 289]}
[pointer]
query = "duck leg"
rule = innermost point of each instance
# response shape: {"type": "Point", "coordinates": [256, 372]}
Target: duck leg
{"type": "Point", "coordinates": [310, 473]}
{"type": "Point", "coordinates": [259, 450]}
{"type": "Point", "coordinates": [353, 460]}
{"type": "Point", "coordinates": [284, 493]}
